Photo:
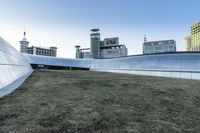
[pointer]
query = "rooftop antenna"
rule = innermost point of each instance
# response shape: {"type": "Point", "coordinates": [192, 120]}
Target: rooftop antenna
{"type": "Point", "coordinates": [24, 31]}
{"type": "Point", "coordinates": [96, 29]}
{"type": "Point", "coordinates": [97, 24]}
{"type": "Point", "coordinates": [145, 38]}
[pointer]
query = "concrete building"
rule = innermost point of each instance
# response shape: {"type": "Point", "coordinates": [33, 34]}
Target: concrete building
{"type": "Point", "coordinates": [108, 48]}
{"type": "Point", "coordinates": [111, 48]}
{"type": "Point", "coordinates": [192, 42]}
{"type": "Point", "coordinates": [24, 48]}
{"type": "Point", "coordinates": [163, 46]}
{"type": "Point", "coordinates": [82, 53]}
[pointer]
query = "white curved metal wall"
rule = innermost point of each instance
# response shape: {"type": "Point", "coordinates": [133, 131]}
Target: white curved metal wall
{"type": "Point", "coordinates": [179, 65]}
{"type": "Point", "coordinates": [14, 68]}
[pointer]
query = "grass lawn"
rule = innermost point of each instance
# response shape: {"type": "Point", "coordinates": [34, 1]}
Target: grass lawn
{"type": "Point", "coordinates": [85, 102]}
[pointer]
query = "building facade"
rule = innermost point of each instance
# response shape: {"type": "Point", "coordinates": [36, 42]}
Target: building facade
{"type": "Point", "coordinates": [24, 48]}
{"type": "Point", "coordinates": [163, 46]}
{"type": "Point", "coordinates": [192, 42]}
{"type": "Point", "coordinates": [108, 48]}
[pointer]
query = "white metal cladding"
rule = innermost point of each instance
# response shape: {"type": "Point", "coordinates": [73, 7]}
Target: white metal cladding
{"type": "Point", "coordinates": [13, 68]}
{"type": "Point", "coordinates": [156, 62]}
{"type": "Point", "coordinates": [180, 65]}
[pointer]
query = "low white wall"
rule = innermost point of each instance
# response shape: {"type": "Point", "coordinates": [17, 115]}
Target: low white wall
{"type": "Point", "coordinates": [170, 74]}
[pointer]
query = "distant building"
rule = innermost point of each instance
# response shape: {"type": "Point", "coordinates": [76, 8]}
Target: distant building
{"type": "Point", "coordinates": [82, 53]}
{"type": "Point", "coordinates": [108, 48]}
{"type": "Point", "coordinates": [24, 48]}
{"type": "Point", "coordinates": [192, 42]}
{"type": "Point", "coordinates": [111, 48]}
{"type": "Point", "coordinates": [163, 46]}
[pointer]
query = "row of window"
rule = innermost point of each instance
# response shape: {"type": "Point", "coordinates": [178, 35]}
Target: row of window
{"type": "Point", "coordinates": [39, 52]}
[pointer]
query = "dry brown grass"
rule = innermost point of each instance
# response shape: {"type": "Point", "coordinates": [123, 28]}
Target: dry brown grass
{"type": "Point", "coordinates": [82, 101]}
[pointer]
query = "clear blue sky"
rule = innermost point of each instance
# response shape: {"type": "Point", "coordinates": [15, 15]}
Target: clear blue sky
{"type": "Point", "coordinates": [65, 23]}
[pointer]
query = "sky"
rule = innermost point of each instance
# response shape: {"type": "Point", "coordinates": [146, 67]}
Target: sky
{"type": "Point", "coordinates": [66, 23]}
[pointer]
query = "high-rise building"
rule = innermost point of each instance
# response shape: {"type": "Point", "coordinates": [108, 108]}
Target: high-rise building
{"type": "Point", "coordinates": [95, 43]}
{"type": "Point", "coordinates": [108, 48]}
{"type": "Point", "coordinates": [192, 42]}
{"type": "Point", "coordinates": [24, 48]}
{"type": "Point", "coordinates": [188, 43]}
{"type": "Point", "coordinates": [163, 46]}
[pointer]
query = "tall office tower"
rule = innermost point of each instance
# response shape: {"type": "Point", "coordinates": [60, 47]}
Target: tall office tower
{"type": "Point", "coordinates": [188, 43]}
{"type": "Point", "coordinates": [95, 43]}
{"type": "Point", "coordinates": [192, 43]}
{"type": "Point", "coordinates": [195, 36]}
{"type": "Point", "coordinates": [24, 44]}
